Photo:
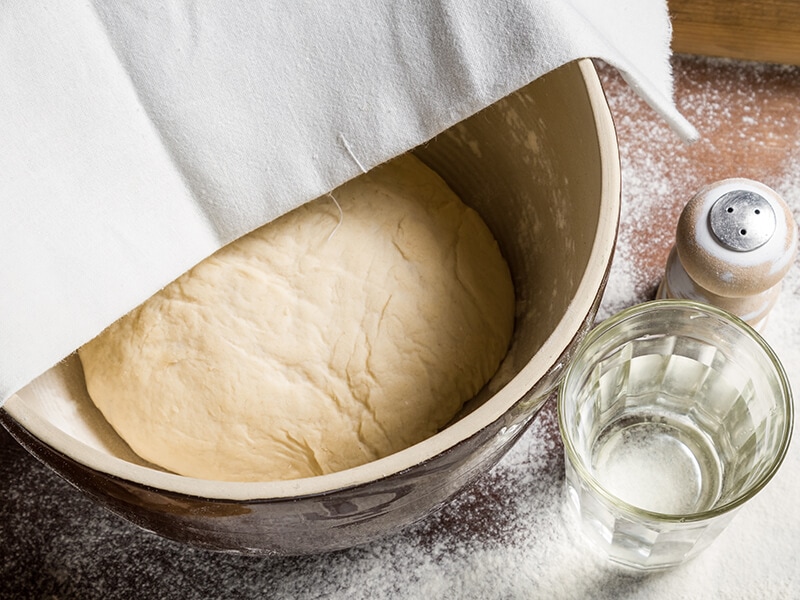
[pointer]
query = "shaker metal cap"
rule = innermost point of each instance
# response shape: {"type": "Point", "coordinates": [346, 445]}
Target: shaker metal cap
{"type": "Point", "coordinates": [742, 220]}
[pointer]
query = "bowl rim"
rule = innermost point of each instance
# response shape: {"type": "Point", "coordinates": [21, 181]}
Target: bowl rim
{"type": "Point", "coordinates": [493, 409]}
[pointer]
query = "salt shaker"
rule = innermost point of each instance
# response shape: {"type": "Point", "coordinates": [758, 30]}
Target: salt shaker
{"type": "Point", "coordinates": [735, 241]}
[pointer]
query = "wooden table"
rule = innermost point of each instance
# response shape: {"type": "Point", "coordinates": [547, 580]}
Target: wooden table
{"type": "Point", "coordinates": [508, 536]}
{"type": "Point", "coordinates": [765, 30]}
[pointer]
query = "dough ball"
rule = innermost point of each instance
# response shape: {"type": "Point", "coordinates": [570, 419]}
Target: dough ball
{"type": "Point", "coordinates": [313, 345]}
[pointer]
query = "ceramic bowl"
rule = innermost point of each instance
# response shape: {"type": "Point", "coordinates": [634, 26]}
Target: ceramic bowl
{"type": "Point", "coordinates": [541, 167]}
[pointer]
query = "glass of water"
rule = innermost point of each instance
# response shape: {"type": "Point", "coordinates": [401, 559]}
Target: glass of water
{"type": "Point", "coordinates": [673, 414]}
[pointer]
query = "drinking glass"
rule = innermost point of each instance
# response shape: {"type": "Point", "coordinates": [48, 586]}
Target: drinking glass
{"type": "Point", "coordinates": [673, 415]}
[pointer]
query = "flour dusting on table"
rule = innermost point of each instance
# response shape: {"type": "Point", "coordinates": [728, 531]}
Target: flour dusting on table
{"type": "Point", "coordinates": [510, 535]}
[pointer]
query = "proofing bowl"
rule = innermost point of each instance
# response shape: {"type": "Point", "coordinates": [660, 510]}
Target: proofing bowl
{"type": "Point", "coordinates": [541, 167]}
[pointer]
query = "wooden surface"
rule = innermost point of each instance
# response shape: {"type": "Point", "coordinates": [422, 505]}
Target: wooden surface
{"type": "Point", "coordinates": [761, 30]}
{"type": "Point", "coordinates": [506, 536]}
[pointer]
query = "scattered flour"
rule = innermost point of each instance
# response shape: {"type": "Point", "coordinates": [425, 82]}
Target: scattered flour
{"type": "Point", "coordinates": [511, 535]}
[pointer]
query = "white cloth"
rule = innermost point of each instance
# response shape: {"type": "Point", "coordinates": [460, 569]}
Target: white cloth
{"type": "Point", "coordinates": [138, 137]}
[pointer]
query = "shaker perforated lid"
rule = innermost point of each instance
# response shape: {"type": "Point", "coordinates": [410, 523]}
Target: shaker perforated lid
{"type": "Point", "coordinates": [742, 220]}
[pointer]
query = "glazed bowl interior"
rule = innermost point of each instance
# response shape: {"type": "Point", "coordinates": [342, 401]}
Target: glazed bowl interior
{"type": "Point", "coordinates": [541, 168]}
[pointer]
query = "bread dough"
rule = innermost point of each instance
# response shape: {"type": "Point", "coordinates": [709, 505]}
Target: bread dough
{"type": "Point", "coordinates": [319, 342]}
